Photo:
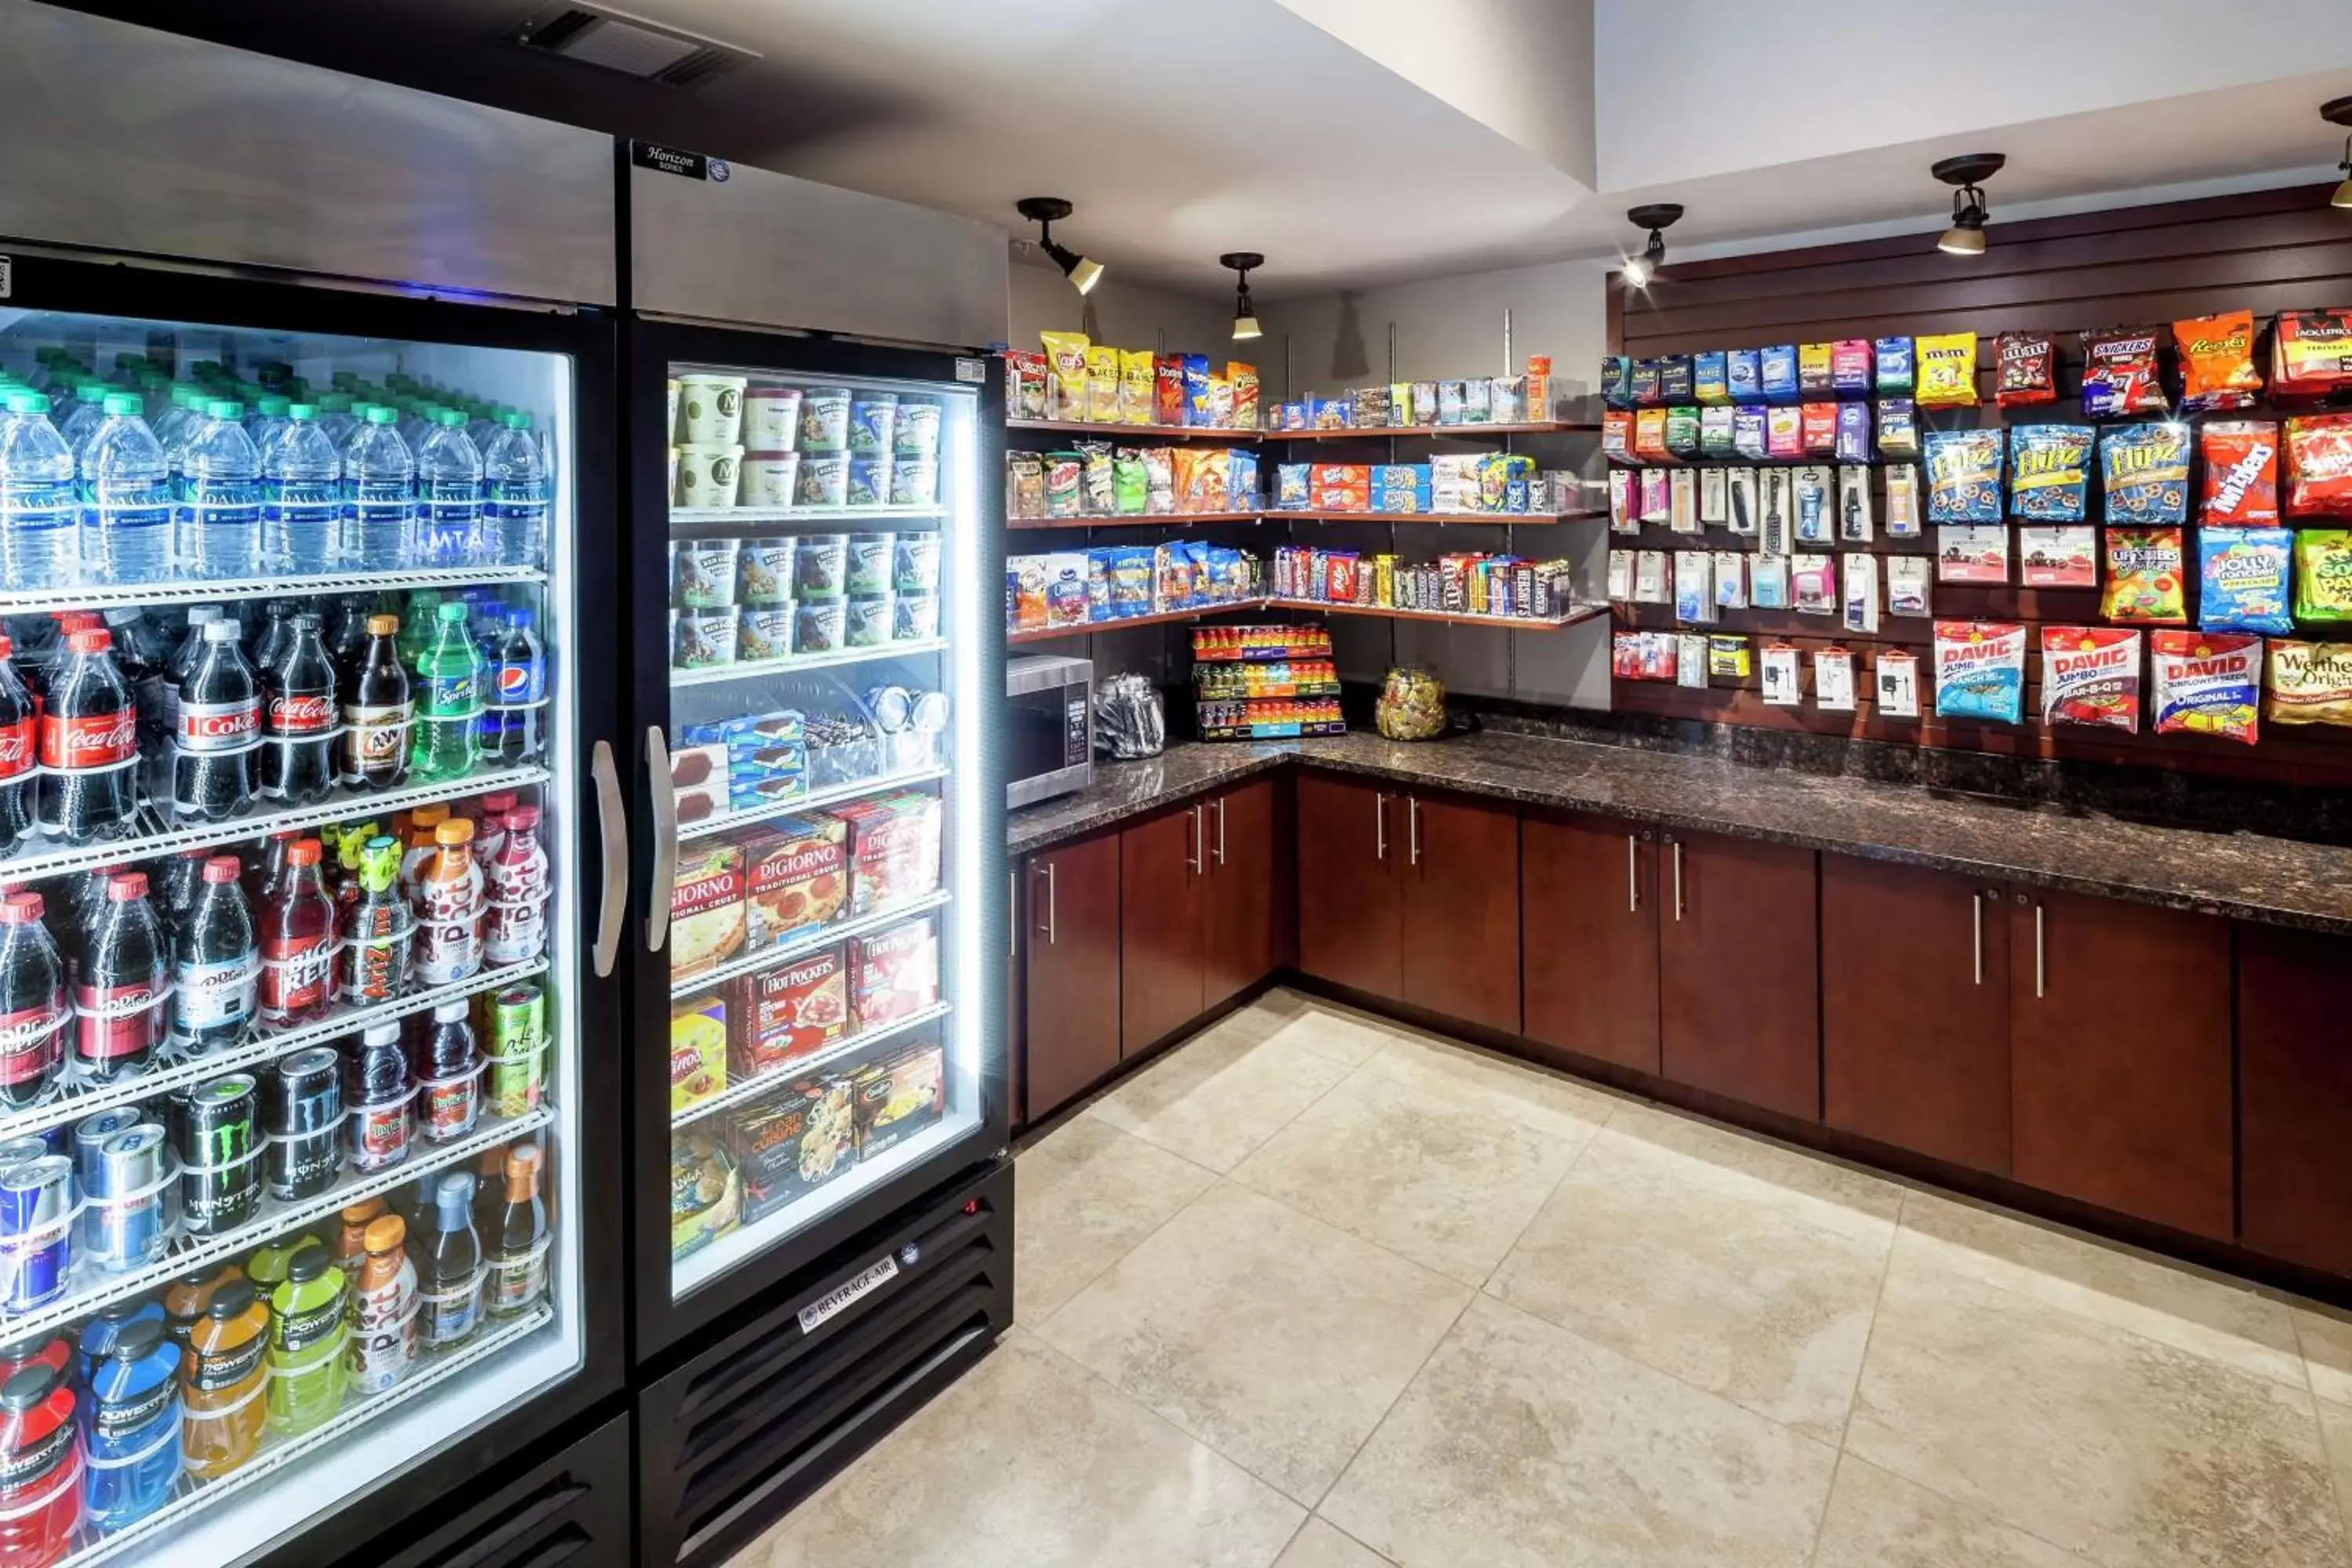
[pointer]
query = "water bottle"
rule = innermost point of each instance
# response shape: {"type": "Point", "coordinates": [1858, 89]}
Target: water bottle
{"type": "Point", "coordinates": [171, 429]}
{"type": "Point", "coordinates": [335, 418]}
{"type": "Point", "coordinates": [449, 493]}
{"type": "Point", "coordinates": [483, 427]}
{"type": "Point", "coordinates": [301, 495]}
{"type": "Point", "coordinates": [515, 483]}
{"type": "Point", "coordinates": [126, 484]}
{"type": "Point", "coordinates": [88, 412]}
{"type": "Point", "coordinates": [220, 499]}
{"type": "Point", "coordinates": [379, 495]}
{"type": "Point", "coordinates": [266, 424]}
{"type": "Point", "coordinates": [38, 507]}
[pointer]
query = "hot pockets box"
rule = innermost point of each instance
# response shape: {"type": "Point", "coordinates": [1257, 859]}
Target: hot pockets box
{"type": "Point", "coordinates": [796, 876]}
{"type": "Point", "coordinates": [894, 850]}
{"type": "Point", "coordinates": [791, 1011]}
{"type": "Point", "coordinates": [893, 973]}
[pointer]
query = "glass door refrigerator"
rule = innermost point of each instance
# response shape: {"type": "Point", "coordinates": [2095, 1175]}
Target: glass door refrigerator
{"type": "Point", "coordinates": [822, 1192]}
{"type": "Point", "coordinates": [305, 1055]}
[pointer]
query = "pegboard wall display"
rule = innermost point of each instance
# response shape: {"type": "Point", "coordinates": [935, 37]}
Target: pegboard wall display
{"type": "Point", "coordinates": [1746, 492]}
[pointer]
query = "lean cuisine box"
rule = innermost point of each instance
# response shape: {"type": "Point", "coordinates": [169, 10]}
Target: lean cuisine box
{"type": "Point", "coordinates": [788, 1012]}
{"type": "Point", "coordinates": [793, 1143]}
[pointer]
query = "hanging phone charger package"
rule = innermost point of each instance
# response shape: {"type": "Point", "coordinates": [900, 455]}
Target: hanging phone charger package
{"type": "Point", "coordinates": [1861, 591]}
{"type": "Point", "coordinates": [1783, 687]}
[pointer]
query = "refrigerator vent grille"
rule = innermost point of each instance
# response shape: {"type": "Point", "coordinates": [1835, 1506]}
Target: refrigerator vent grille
{"type": "Point", "coordinates": [616, 41]}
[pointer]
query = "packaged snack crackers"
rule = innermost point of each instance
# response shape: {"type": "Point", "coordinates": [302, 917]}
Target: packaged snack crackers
{"type": "Point", "coordinates": [1947, 370]}
{"type": "Point", "coordinates": [1963, 475]}
{"type": "Point", "coordinates": [2243, 574]}
{"type": "Point", "coordinates": [2311, 683]}
{"type": "Point", "coordinates": [2323, 574]}
{"type": "Point", "coordinates": [2050, 472]}
{"type": "Point", "coordinates": [2206, 683]}
{"type": "Point", "coordinates": [2145, 470]}
{"type": "Point", "coordinates": [2090, 675]}
{"type": "Point", "coordinates": [2144, 577]}
{"type": "Point", "coordinates": [2242, 458]}
{"type": "Point", "coordinates": [1980, 670]}
{"type": "Point", "coordinates": [2217, 361]}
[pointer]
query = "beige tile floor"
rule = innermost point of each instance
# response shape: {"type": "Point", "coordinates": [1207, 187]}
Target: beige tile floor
{"type": "Point", "coordinates": [1313, 1290]}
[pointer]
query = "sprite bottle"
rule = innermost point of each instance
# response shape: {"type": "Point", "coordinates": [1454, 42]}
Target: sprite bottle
{"type": "Point", "coordinates": [448, 699]}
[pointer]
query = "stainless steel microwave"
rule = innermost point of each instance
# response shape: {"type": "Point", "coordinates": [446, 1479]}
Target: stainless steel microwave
{"type": "Point", "coordinates": [1049, 727]}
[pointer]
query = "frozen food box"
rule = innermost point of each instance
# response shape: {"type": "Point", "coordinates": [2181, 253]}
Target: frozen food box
{"type": "Point", "coordinates": [894, 850]}
{"type": "Point", "coordinates": [893, 973]}
{"type": "Point", "coordinates": [697, 1050]}
{"type": "Point", "coordinates": [706, 1191]}
{"type": "Point", "coordinates": [795, 877]}
{"type": "Point", "coordinates": [790, 1010]}
{"type": "Point", "coordinates": [895, 1099]}
{"type": "Point", "coordinates": [792, 1143]}
{"type": "Point", "coordinates": [706, 908]}
{"type": "Point", "coordinates": [698, 779]}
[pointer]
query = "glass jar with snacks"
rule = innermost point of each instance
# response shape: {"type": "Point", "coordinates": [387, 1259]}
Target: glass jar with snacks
{"type": "Point", "coordinates": [1412, 705]}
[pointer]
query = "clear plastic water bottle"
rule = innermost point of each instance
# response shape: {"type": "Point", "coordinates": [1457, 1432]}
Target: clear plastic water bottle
{"type": "Point", "coordinates": [301, 495]}
{"type": "Point", "coordinates": [39, 508]}
{"type": "Point", "coordinates": [220, 499]}
{"type": "Point", "coordinates": [171, 428]}
{"type": "Point", "coordinates": [81, 421]}
{"type": "Point", "coordinates": [266, 424]}
{"type": "Point", "coordinates": [335, 418]}
{"type": "Point", "coordinates": [379, 495]}
{"type": "Point", "coordinates": [126, 485]}
{"type": "Point", "coordinates": [515, 494]}
{"type": "Point", "coordinates": [450, 492]}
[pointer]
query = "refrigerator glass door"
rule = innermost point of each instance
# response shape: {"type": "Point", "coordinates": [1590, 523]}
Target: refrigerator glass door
{"type": "Point", "coordinates": [826, 585]}
{"type": "Point", "coordinates": [206, 1129]}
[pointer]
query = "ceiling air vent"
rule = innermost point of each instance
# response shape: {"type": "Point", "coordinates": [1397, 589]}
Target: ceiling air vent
{"type": "Point", "coordinates": [616, 41]}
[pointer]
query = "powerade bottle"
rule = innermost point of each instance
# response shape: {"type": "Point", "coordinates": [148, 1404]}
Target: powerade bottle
{"type": "Point", "coordinates": [302, 494]}
{"type": "Point", "coordinates": [40, 1466]}
{"type": "Point", "coordinates": [306, 1342]}
{"type": "Point", "coordinates": [514, 478]}
{"type": "Point", "coordinates": [134, 1425]}
{"type": "Point", "coordinates": [220, 499]}
{"type": "Point", "coordinates": [39, 510]}
{"type": "Point", "coordinates": [379, 495]}
{"type": "Point", "coordinates": [448, 700]}
{"type": "Point", "coordinates": [450, 492]}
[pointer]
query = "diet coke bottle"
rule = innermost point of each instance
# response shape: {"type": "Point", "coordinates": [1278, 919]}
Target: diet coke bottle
{"type": "Point", "coordinates": [298, 718]}
{"type": "Point", "coordinates": [220, 728]}
{"type": "Point", "coordinates": [20, 743]}
{"type": "Point", "coordinates": [89, 745]}
{"type": "Point", "coordinates": [32, 1002]}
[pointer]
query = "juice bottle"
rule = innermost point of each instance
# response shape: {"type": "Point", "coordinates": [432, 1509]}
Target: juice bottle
{"type": "Point", "coordinates": [133, 1426]}
{"type": "Point", "coordinates": [519, 1249]}
{"type": "Point", "coordinates": [452, 1266]}
{"type": "Point", "coordinates": [383, 1309]}
{"type": "Point", "coordinates": [306, 1342]}
{"type": "Point", "coordinates": [351, 1236]}
{"type": "Point", "coordinates": [222, 1380]}
{"type": "Point", "coordinates": [419, 842]}
{"type": "Point", "coordinates": [450, 908]}
{"type": "Point", "coordinates": [375, 926]}
{"type": "Point", "coordinates": [517, 891]}
{"type": "Point", "coordinates": [449, 1072]}
{"type": "Point", "coordinates": [40, 1468]}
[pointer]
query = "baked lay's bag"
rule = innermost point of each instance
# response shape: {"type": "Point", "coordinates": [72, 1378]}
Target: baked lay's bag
{"type": "Point", "coordinates": [2311, 683]}
{"type": "Point", "coordinates": [2206, 683]}
{"type": "Point", "coordinates": [2217, 361]}
{"type": "Point", "coordinates": [1947, 370]}
{"type": "Point", "coordinates": [2311, 353]}
{"type": "Point", "coordinates": [2090, 675]}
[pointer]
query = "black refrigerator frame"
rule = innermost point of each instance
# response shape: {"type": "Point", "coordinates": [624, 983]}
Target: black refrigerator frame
{"type": "Point", "coordinates": [669, 1333]}
{"type": "Point", "coordinates": [376, 1523]}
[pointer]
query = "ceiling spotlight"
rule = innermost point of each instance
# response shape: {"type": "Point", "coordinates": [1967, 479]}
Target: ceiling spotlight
{"type": "Point", "coordinates": [1245, 325]}
{"type": "Point", "coordinates": [1966, 236]}
{"type": "Point", "coordinates": [1084, 273]}
{"type": "Point", "coordinates": [2338, 111]}
{"type": "Point", "coordinates": [1640, 269]}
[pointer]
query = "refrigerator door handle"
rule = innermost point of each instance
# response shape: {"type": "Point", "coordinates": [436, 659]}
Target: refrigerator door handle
{"type": "Point", "coordinates": [613, 827]}
{"type": "Point", "coordinates": [664, 800]}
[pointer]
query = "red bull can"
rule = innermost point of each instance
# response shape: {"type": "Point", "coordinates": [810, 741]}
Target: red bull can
{"type": "Point", "coordinates": [37, 1250]}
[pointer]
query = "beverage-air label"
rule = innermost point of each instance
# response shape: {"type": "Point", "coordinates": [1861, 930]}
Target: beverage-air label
{"type": "Point", "coordinates": [220, 726]}
{"type": "Point", "coordinates": [89, 741]}
{"type": "Point", "coordinates": [223, 1369]}
{"type": "Point", "coordinates": [298, 715]}
{"type": "Point", "coordinates": [212, 995]}
{"type": "Point", "coordinates": [116, 1020]}
{"type": "Point", "coordinates": [296, 973]}
{"type": "Point", "coordinates": [116, 1421]}
{"type": "Point", "coordinates": [22, 1467]}
{"type": "Point", "coordinates": [19, 747]}
{"type": "Point", "coordinates": [378, 735]}
{"type": "Point", "coordinates": [29, 1039]}
{"type": "Point", "coordinates": [446, 696]}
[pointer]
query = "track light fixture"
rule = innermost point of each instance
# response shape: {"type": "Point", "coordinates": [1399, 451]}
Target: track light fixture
{"type": "Point", "coordinates": [1969, 210]}
{"type": "Point", "coordinates": [1640, 269]}
{"type": "Point", "coordinates": [1245, 325]}
{"type": "Point", "coordinates": [2338, 111]}
{"type": "Point", "coordinates": [1084, 273]}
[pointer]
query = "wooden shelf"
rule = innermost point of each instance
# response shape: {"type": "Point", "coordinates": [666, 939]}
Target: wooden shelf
{"type": "Point", "coordinates": [1159, 432]}
{"type": "Point", "coordinates": [1460, 432]}
{"type": "Point", "coordinates": [1137, 520]}
{"type": "Point", "coordinates": [1047, 633]}
{"type": "Point", "coordinates": [1508, 623]}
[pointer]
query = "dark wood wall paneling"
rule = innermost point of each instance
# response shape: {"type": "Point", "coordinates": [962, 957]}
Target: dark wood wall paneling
{"type": "Point", "coordinates": [2264, 251]}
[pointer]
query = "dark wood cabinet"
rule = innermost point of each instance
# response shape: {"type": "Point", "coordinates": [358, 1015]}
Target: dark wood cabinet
{"type": "Point", "coordinates": [1241, 943]}
{"type": "Point", "coordinates": [2119, 1057]}
{"type": "Point", "coordinates": [1163, 892]}
{"type": "Point", "coordinates": [1738, 971]}
{"type": "Point", "coordinates": [1459, 913]}
{"type": "Point", "coordinates": [1589, 937]}
{"type": "Point", "coordinates": [2294, 1096]}
{"type": "Point", "coordinates": [1349, 903]}
{"type": "Point", "coordinates": [1071, 1022]}
{"type": "Point", "coordinates": [1915, 1010]}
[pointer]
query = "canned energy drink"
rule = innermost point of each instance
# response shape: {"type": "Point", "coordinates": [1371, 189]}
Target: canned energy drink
{"type": "Point", "coordinates": [126, 1215]}
{"type": "Point", "coordinates": [220, 1152]}
{"type": "Point", "coordinates": [304, 1118]}
{"type": "Point", "coordinates": [35, 1230]}
{"type": "Point", "coordinates": [516, 1031]}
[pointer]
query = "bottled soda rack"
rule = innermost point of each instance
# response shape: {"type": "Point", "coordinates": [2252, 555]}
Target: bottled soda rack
{"type": "Point", "coordinates": [721, 822]}
{"type": "Point", "coordinates": [745, 669]}
{"type": "Point", "coordinates": [157, 837]}
{"type": "Point", "coordinates": [93, 1288]}
{"type": "Point", "coordinates": [203, 590]}
{"type": "Point", "coordinates": [768, 957]}
{"type": "Point", "coordinates": [73, 1104]}
{"type": "Point", "coordinates": [431, 1367]}
{"type": "Point", "coordinates": [735, 1094]}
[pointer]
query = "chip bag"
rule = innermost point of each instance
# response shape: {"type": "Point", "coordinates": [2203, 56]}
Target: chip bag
{"type": "Point", "coordinates": [1102, 384]}
{"type": "Point", "coordinates": [1168, 389]}
{"type": "Point", "coordinates": [2311, 683]}
{"type": "Point", "coordinates": [2120, 372]}
{"type": "Point", "coordinates": [2323, 574]}
{"type": "Point", "coordinates": [1135, 386]}
{"type": "Point", "coordinates": [2217, 361]}
{"type": "Point", "coordinates": [2319, 464]}
{"type": "Point", "coordinates": [2144, 577]}
{"type": "Point", "coordinates": [2025, 368]}
{"type": "Point", "coordinates": [1963, 474]}
{"type": "Point", "coordinates": [1244, 377]}
{"type": "Point", "coordinates": [2311, 353]}
{"type": "Point", "coordinates": [2146, 472]}
{"type": "Point", "coordinates": [2242, 574]}
{"type": "Point", "coordinates": [2240, 470]}
{"type": "Point", "coordinates": [2206, 683]}
{"type": "Point", "coordinates": [1947, 370]}
{"type": "Point", "coordinates": [2050, 472]}
{"type": "Point", "coordinates": [1980, 670]}
{"type": "Point", "coordinates": [2090, 675]}
{"type": "Point", "coordinates": [1065, 360]}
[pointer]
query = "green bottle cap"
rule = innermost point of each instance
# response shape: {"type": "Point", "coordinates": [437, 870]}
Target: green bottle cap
{"type": "Point", "coordinates": [301, 411]}
{"type": "Point", "coordinates": [122, 403]}
{"type": "Point", "coordinates": [377, 413]}
{"type": "Point", "coordinates": [452, 613]}
{"type": "Point", "coordinates": [222, 408]}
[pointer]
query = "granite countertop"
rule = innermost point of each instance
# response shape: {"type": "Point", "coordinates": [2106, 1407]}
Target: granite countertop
{"type": "Point", "coordinates": [2246, 876]}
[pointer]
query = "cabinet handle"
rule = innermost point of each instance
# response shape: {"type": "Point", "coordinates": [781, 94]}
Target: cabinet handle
{"type": "Point", "coordinates": [1049, 903]}
{"type": "Point", "coordinates": [1632, 875]}
{"type": "Point", "coordinates": [1193, 862]}
{"type": "Point", "coordinates": [613, 827]}
{"type": "Point", "coordinates": [1380, 827]}
{"type": "Point", "coordinates": [1221, 830]}
{"type": "Point", "coordinates": [1678, 879]}
{"type": "Point", "coordinates": [1976, 909]}
{"type": "Point", "coordinates": [665, 812]}
{"type": "Point", "coordinates": [2041, 971]}
{"type": "Point", "coordinates": [1412, 828]}
{"type": "Point", "coordinates": [1012, 920]}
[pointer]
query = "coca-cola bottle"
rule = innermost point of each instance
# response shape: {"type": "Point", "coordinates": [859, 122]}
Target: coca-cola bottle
{"type": "Point", "coordinates": [268, 872]}
{"type": "Point", "coordinates": [347, 634]}
{"type": "Point", "coordinates": [177, 667]}
{"type": "Point", "coordinates": [216, 978]}
{"type": "Point", "coordinates": [20, 747]}
{"type": "Point", "coordinates": [298, 712]}
{"type": "Point", "coordinates": [32, 1002]}
{"type": "Point", "coordinates": [123, 995]}
{"type": "Point", "coordinates": [271, 641]}
{"type": "Point", "coordinates": [140, 655]}
{"type": "Point", "coordinates": [90, 746]}
{"type": "Point", "coordinates": [220, 724]}
{"type": "Point", "coordinates": [297, 942]}
{"type": "Point", "coordinates": [377, 707]}
{"type": "Point", "coordinates": [177, 887]}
